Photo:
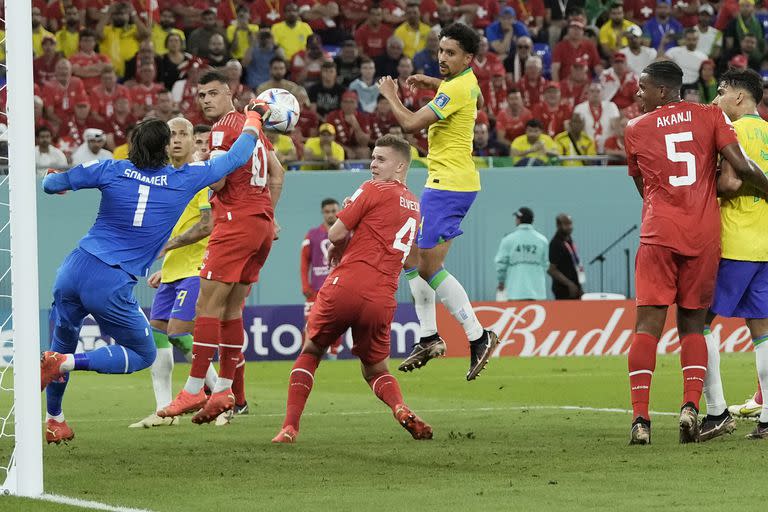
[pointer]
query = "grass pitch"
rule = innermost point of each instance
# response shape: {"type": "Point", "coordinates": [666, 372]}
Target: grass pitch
{"type": "Point", "coordinates": [501, 443]}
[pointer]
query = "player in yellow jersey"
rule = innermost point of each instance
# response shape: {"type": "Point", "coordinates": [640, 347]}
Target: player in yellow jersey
{"type": "Point", "coordinates": [452, 185]}
{"type": "Point", "coordinates": [742, 279]}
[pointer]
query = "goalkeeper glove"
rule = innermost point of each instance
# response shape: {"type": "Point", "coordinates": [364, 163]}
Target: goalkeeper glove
{"type": "Point", "coordinates": [255, 112]}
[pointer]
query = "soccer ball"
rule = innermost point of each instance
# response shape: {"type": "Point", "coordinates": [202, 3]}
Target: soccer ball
{"type": "Point", "coordinates": [284, 110]}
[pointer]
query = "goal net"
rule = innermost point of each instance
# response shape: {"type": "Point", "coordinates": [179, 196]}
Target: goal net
{"type": "Point", "coordinates": [21, 464]}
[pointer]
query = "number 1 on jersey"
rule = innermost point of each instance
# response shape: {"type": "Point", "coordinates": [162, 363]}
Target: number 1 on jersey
{"type": "Point", "coordinates": [674, 156]}
{"type": "Point", "coordinates": [409, 230]}
{"type": "Point", "coordinates": [141, 206]}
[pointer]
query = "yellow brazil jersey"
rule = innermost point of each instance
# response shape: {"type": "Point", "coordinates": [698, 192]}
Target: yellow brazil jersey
{"type": "Point", "coordinates": [522, 144]}
{"type": "Point", "coordinates": [243, 39]}
{"type": "Point", "coordinates": [745, 217]}
{"type": "Point", "coordinates": [449, 162]}
{"type": "Point", "coordinates": [291, 39]}
{"type": "Point", "coordinates": [159, 36]}
{"type": "Point", "coordinates": [584, 146]}
{"type": "Point", "coordinates": [614, 39]}
{"type": "Point", "coordinates": [120, 45]}
{"type": "Point", "coordinates": [68, 42]}
{"type": "Point", "coordinates": [37, 40]}
{"type": "Point", "coordinates": [313, 151]}
{"type": "Point", "coordinates": [185, 261]}
{"type": "Point", "coordinates": [414, 40]}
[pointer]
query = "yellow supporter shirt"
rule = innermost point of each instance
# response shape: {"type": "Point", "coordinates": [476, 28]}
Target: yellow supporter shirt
{"type": "Point", "coordinates": [413, 40]}
{"type": "Point", "coordinates": [449, 162]}
{"type": "Point", "coordinates": [185, 261]}
{"type": "Point", "coordinates": [68, 42]}
{"type": "Point", "coordinates": [313, 150]}
{"type": "Point", "coordinates": [291, 39]}
{"type": "Point", "coordinates": [584, 146]}
{"type": "Point", "coordinates": [120, 45]}
{"type": "Point", "coordinates": [159, 35]}
{"type": "Point", "coordinates": [521, 143]}
{"type": "Point", "coordinates": [2, 46]}
{"type": "Point", "coordinates": [243, 41]}
{"type": "Point", "coordinates": [37, 41]}
{"type": "Point", "coordinates": [745, 217]}
{"type": "Point", "coordinates": [284, 145]}
{"type": "Point", "coordinates": [121, 152]}
{"type": "Point", "coordinates": [612, 39]}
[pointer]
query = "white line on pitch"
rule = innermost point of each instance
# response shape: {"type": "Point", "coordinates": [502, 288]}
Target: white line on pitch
{"type": "Point", "coordinates": [93, 505]}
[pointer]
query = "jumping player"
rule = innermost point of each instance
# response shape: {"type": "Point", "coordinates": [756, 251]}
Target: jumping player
{"type": "Point", "coordinates": [243, 211]}
{"type": "Point", "coordinates": [452, 185]}
{"type": "Point", "coordinates": [360, 292]}
{"type": "Point", "coordinates": [672, 157]}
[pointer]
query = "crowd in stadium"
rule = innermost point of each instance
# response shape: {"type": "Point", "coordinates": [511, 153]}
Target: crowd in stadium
{"type": "Point", "coordinates": [558, 78]}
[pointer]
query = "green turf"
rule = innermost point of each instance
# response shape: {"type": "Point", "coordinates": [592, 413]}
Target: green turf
{"type": "Point", "coordinates": [495, 447]}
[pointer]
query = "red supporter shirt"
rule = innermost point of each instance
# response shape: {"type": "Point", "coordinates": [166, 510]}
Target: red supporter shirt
{"type": "Point", "coordinates": [267, 12]}
{"type": "Point", "coordinates": [308, 123]}
{"type": "Point", "coordinates": [531, 92]}
{"type": "Point", "coordinates": [383, 216]}
{"type": "Point", "coordinates": [73, 131]}
{"type": "Point", "coordinates": [495, 99]}
{"type": "Point", "coordinates": [118, 128]}
{"type": "Point", "coordinates": [44, 69]}
{"type": "Point", "coordinates": [640, 10]}
{"type": "Point", "coordinates": [509, 126]}
{"type": "Point", "coordinates": [81, 59]}
{"type": "Point", "coordinates": [487, 12]}
{"type": "Point", "coordinates": [574, 93]}
{"type": "Point", "coordinates": [145, 95]}
{"type": "Point", "coordinates": [565, 53]}
{"type": "Point", "coordinates": [344, 134]}
{"type": "Point", "coordinates": [553, 120]}
{"type": "Point", "coordinates": [429, 8]}
{"type": "Point", "coordinates": [63, 98]}
{"type": "Point", "coordinates": [303, 62]}
{"type": "Point", "coordinates": [103, 103]}
{"type": "Point", "coordinates": [484, 70]}
{"type": "Point", "coordinates": [675, 150]}
{"type": "Point", "coordinates": [245, 192]}
{"type": "Point", "coordinates": [317, 24]}
{"type": "Point", "coordinates": [528, 9]}
{"type": "Point", "coordinates": [347, 6]}
{"type": "Point", "coordinates": [372, 42]}
{"type": "Point", "coordinates": [379, 126]}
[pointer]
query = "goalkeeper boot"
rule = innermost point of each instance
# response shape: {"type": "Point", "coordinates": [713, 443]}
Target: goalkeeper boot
{"type": "Point", "coordinates": [641, 431]}
{"type": "Point", "coordinates": [183, 403]}
{"type": "Point", "coordinates": [716, 426]}
{"type": "Point", "coordinates": [480, 352]}
{"type": "Point", "coordinates": [56, 432]}
{"type": "Point", "coordinates": [689, 424]}
{"type": "Point", "coordinates": [219, 403]}
{"type": "Point", "coordinates": [760, 432]}
{"type": "Point", "coordinates": [417, 427]}
{"type": "Point", "coordinates": [287, 435]}
{"type": "Point", "coordinates": [50, 368]}
{"type": "Point", "coordinates": [426, 349]}
{"type": "Point", "coordinates": [153, 420]}
{"type": "Point", "coordinates": [749, 409]}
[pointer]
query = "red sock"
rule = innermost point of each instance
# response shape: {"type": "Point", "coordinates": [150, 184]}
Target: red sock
{"type": "Point", "coordinates": [642, 363]}
{"type": "Point", "coordinates": [230, 347]}
{"type": "Point", "coordinates": [204, 347]}
{"type": "Point", "coordinates": [693, 359]}
{"type": "Point", "coordinates": [386, 388]}
{"type": "Point", "coordinates": [759, 394]}
{"type": "Point", "coordinates": [299, 387]}
{"type": "Point", "coordinates": [238, 385]}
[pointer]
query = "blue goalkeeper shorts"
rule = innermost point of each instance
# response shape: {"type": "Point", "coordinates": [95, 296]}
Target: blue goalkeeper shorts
{"type": "Point", "coordinates": [441, 214]}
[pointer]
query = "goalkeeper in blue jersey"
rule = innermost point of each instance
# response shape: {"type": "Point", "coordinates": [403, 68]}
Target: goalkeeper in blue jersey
{"type": "Point", "coordinates": [141, 200]}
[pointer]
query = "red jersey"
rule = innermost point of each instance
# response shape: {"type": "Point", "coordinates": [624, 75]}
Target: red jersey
{"type": "Point", "coordinates": [145, 95]}
{"type": "Point", "coordinates": [73, 130]}
{"type": "Point", "coordinates": [552, 119]}
{"type": "Point", "coordinates": [245, 192]}
{"type": "Point", "coordinates": [574, 93]}
{"type": "Point", "coordinates": [344, 134]}
{"type": "Point", "coordinates": [531, 92]}
{"type": "Point", "coordinates": [81, 59]}
{"type": "Point", "coordinates": [118, 128]}
{"type": "Point", "coordinates": [483, 69]}
{"type": "Point", "coordinates": [44, 68]}
{"type": "Point", "coordinates": [640, 10]}
{"type": "Point", "coordinates": [510, 126]}
{"type": "Point", "coordinates": [103, 102]}
{"type": "Point", "coordinates": [565, 54]}
{"type": "Point", "coordinates": [372, 42]}
{"type": "Point", "coordinates": [266, 12]}
{"type": "Point", "coordinates": [378, 126]}
{"type": "Point", "coordinates": [63, 98]}
{"type": "Point", "coordinates": [675, 149]}
{"type": "Point", "coordinates": [384, 216]}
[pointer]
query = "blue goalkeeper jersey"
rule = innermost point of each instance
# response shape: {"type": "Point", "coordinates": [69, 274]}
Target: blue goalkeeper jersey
{"type": "Point", "coordinates": [139, 207]}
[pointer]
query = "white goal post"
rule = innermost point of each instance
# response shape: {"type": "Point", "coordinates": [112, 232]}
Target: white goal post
{"type": "Point", "coordinates": [24, 470]}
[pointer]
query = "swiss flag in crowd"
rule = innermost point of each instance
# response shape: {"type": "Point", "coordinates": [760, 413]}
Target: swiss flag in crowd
{"type": "Point", "coordinates": [153, 11]}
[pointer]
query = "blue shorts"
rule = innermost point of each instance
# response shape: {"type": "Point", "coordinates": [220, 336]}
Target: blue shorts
{"type": "Point", "coordinates": [86, 285]}
{"type": "Point", "coordinates": [742, 289]}
{"type": "Point", "coordinates": [441, 214]}
{"type": "Point", "coordinates": [176, 300]}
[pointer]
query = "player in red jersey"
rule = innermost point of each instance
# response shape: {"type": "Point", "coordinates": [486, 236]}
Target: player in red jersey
{"type": "Point", "coordinates": [360, 292]}
{"type": "Point", "coordinates": [244, 227]}
{"type": "Point", "coordinates": [672, 156]}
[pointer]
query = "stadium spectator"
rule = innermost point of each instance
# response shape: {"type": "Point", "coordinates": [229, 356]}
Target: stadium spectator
{"type": "Point", "coordinates": [521, 260]}
{"type": "Point", "coordinates": [511, 122]}
{"type": "Point", "coordinates": [323, 17]}
{"type": "Point", "coordinates": [638, 55]}
{"type": "Point", "coordinates": [444, 16]}
{"type": "Point", "coordinates": [104, 95]}
{"type": "Point", "coordinates": [86, 63]}
{"type": "Point", "coordinates": [308, 119]}
{"type": "Point", "coordinates": [326, 95]}
{"type": "Point", "coordinates": [495, 96]}
{"type": "Point", "coordinates": [44, 66]}
{"type": "Point", "coordinates": [259, 56]}
{"type": "Point", "coordinates": [351, 127]}
{"type": "Point", "coordinates": [574, 88]}
{"type": "Point", "coordinates": [413, 32]}
{"type": "Point", "coordinates": [515, 61]}
{"type": "Point", "coordinates": [285, 149]}
{"type": "Point", "coordinates": [565, 267]}
{"type": "Point", "coordinates": [381, 119]}
{"type": "Point", "coordinates": [121, 151]}
{"type": "Point", "coordinates": [573, 46]}
{"type": "Point", "coordinates": [483, 145]}
{"type": "Point", "coordinates": [92, 148]}
{"type": "Point", "coordinates": [639, 11]}
{"type": "Point", "coordinates": [739, 62]}
{"type": "Point", "coordinates": [145, 55]}
{"type": "Point", "coordinates": [119, 33]}
{"type": "Point", "coordinates": [241, 33]}
{"type": "Point", "coordinates": [278, 69]}
{"type": "Point", "coordinates": [707, 81]}
{"type": "Point", "coordinates": [531, 85]}
{"type": "Point", "coordinates": [323, 148]}
{"type": "Point", "coordinates": [484, 63]}
{"type": "Point", "coordinates": [291, 35]}
{"type": "Point", "coordinates": [406, 93]}
{"type": "Point", "coordinates": [233, 71]}
{"type": "Point", "coordinates": [46, 154]}
{"type": "Point", "coordinates": [750, 48]}
{"type": "Point", "coordinates": [620, 84]}
{"type": "Point", "coordinates": [396, 129]}
{"type": "Point", "coordinates": [552, 111]}
{"type": "Point", "coordinates": [68, 37]}
{"type": "Point", "coordinates": [372, 36]}
{"type": "Point", "coordinates": [306, 64]}
{"type": "Point", "coordinates": [745, 23]}
{"type": "Point", "coordinates": [690, 93]}
{"type": "Point", "coordinates": [612, 34]}
{"type": "Point", "coordinates": [503, 32]}
{"type": "Point", "coordinates": [265, 13]}
{"type": "Point", "coordinates": [164, 108]}
{"type": "Point", "coordinates": [173, 61]}
{"type": "Point", "coordinates": [614, 145]}
{"type": "Point", "coordinates": [574, 142]}
{"type": "Point", "coordinates": [710, 39]}
{"type": "Point", "coordinates": [163, 29]}
{"type": "Point", "coordinates": [199, 39]}
{"type": "Point", "coordinates": [60, 94]}
{"type": "Point", "coordinates": [72, 132]}
{"type": "Point", "coordinates": [662, 28]}
{"type": "Point", "coordinates": [38, 32]}
{"type": "Point", "coordinates": [386, 63]}
{"type": "Point", "coordinates": [532, 14]}
{"type": "Point", "coordinates": [479, 14]}
{"type": "Point", "coordinates": [557, 17]}
{"type": "Point", "coordinates": [144, 91]}
{"type": "Point", "coordinates": [365, 86]}
{"type": "Point", "coordinates": [348, 62]}
{"type": "Point", "coordinates": [243, 97]}
{"type": "Point", "coordinates": [534, 148]}
{"type": "Point", "coordinates": [634, 110]}
{"type": "Point", "coordinates": [597, 114]}
{"type": "Point", "coordinates": [217, 54]}
{"type": "Point", "coordinates": [687, 57]}
{"type": "Point", "coordinates": [425, 61]}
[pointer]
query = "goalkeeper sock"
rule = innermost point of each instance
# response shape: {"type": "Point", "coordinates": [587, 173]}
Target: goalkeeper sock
{"type": "Point", "coordinates": [713, 384]}
{"type": "Point", "coordinates": [299, 387]}
{"type": "Point", "coordinates": [206, 341]}
{"type": "Point", "coordinates": [641, 363]}
{"type": "Point", "coordinates": [455, 299]}
{"type": "Point", "coordinates": [423, 302]}
{"type": "Point", "coordinates": [230, 350]}
{"type": "Point", "coordinates": [64, 342]}
{"type": "Point", "coordinates": [693, 359]}
{"type": "Point", "coordinates": [761, 358]}
{"type": "Point", "coordinates": [387, 389]}
{"type": "Point", "coordinates": [238, 384]}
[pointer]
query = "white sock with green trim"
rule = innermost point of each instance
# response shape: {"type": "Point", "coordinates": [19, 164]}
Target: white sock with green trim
{"type": "Point", "coordinates": [455, 299]}
{"type": "Point", "coordinates": [761, 360]}
{"type": "Point", "coordinates": [713, 384]}
{"type": "Point", "coordinates": [424, 302]}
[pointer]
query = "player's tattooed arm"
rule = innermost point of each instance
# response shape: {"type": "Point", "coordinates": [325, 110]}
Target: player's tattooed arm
{"type": "Point", "coordinates": [200, 230]}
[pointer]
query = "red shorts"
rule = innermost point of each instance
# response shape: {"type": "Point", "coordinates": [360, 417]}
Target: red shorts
{"type": "Point", "coordinates": [663, 277]}
{"type": "Point", "coordinates": [336, 309]}
{"type": "Point", "coordinates": [237, 250]}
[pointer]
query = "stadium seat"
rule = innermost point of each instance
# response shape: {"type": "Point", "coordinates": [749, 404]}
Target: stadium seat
{"type": "Point", "coordinates": [545, 52]}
